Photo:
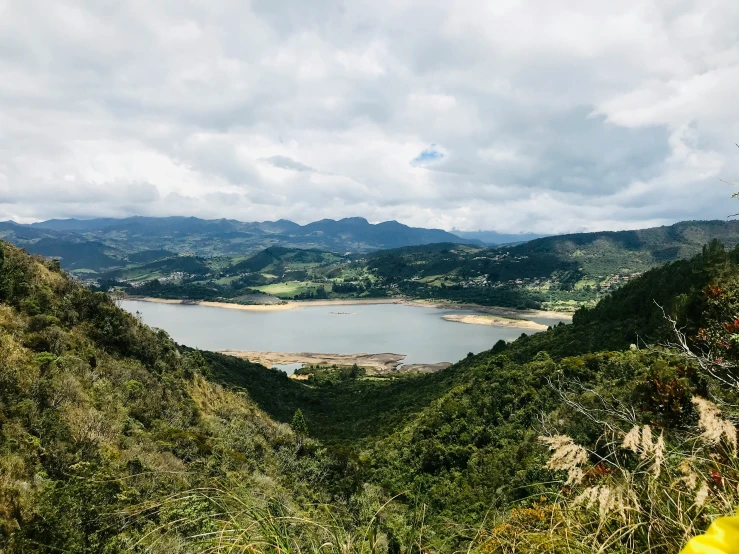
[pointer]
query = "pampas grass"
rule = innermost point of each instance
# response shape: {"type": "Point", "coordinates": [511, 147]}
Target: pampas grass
{"type": "Point", "coordinates": [649, 492]}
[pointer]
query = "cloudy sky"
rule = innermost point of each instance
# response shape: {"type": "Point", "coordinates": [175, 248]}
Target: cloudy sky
{"type": "Point", "coordinates": [512, 115]}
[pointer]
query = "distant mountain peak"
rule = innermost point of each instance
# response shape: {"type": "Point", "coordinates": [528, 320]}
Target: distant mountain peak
{"type": "Point", "coordinates": [209, 237]}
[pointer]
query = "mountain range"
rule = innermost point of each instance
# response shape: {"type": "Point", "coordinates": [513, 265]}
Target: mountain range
{"type": "Point", "coordinates": [97, 246]}
{"type": "Point", "coordinates": [105, 242]}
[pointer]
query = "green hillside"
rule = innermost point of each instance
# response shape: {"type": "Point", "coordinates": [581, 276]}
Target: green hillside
{"type": "Point", "coordinates": [147, 256]}
{"type": "Point", "coordinates": [279, 259]}
{"type": "Point", "coordinates": [113, 438]}
{"type": "Point", "coordinates": [74, 252]}
{"type": "Point", "coordinates": [182, 265]}
{"type": "Point", "coordinates": [275, 273]}
{"type": "Point", "coordinates": [557, 273]}
{"type": "Point", "coordinates": [597, 256]}
{"type": "Point", "coordinates": [477, 445]}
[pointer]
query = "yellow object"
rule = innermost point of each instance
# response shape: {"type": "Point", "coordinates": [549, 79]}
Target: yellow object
{"type": "Point", "coordinates": [722, 537]}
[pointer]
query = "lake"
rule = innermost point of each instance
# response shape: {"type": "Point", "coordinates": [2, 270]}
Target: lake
{"type": "Point", "coordinates": [418, 332]}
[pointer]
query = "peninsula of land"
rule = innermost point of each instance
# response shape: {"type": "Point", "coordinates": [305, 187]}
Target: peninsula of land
{"type": "Point", "coordinates": [495, 321]}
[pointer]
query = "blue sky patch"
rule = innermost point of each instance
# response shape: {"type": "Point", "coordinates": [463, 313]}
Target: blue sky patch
{"type": "Point", "coordinates": [430, 154]}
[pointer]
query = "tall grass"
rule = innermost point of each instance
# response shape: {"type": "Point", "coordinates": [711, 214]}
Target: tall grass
{"type": "Point", "coordinates": [641, 490]}
{"type": "Point", "coordinates": [236, 518]}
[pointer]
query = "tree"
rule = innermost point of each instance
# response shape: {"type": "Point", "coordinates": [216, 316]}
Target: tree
{"type": "Point", "coordinates": [298, 424]}
{"type": "Point", "coordinates": [194, 362]}
{"type": "Point", "coordinates": [355, 372]}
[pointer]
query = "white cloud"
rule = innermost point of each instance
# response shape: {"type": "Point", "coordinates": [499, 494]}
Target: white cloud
{"type": "Point", "coordinates": [533, 116]}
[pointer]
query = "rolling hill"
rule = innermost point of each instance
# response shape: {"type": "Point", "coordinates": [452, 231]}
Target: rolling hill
{"type": "Point", "coordinates": [559, 272]}
{"type": "Point", "coordinates": [114, 438]}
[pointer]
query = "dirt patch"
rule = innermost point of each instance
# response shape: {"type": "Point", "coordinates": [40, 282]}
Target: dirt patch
{"type": "Point", "coordinates": [499, 311]}
{"type": "Point", "coordinates": [375, 363]}
{"type": "Point", "coordinates": [423, 368]}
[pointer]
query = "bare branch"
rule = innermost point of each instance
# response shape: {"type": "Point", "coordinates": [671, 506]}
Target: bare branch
{"type": "Point", "coordinates": [612, 406]}
{"type": "Point", "coordinates": [705, 359]}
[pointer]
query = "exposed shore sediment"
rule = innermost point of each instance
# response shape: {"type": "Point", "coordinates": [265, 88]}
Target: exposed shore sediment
{"type": "Point", "coordinates": [288, 305]}
{"type": "Point", "coordinates": [377, 363]}
{"type": "Point", "coordinates": [494, 321]}
{"type": "Point", "coordinates": [503, 317]}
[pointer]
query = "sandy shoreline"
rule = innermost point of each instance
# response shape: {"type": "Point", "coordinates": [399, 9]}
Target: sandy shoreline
{"type": "Point", "coordinates": [377, 363]}
{"type": "Point", "coordinates": [494, 321]}
{"type": "Point", "coordinates": [500, 311]}
{"type": "Point", "coordinates": [288, 305]}
{"type": "Point", "coordinates": [501, 317]}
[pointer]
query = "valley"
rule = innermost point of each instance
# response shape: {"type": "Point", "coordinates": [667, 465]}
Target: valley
{"type": "Point", "coordinates": [559, 273]}
{"type": "Point", "coordinates": [121, 422]}
{"type": "Point", "coordinates": [349, 277]}
{"type": "Point", "coordinates": [201, 260]}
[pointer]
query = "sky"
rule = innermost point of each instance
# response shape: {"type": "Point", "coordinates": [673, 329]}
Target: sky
{"type": "Point", "coordinates": [513, 115]}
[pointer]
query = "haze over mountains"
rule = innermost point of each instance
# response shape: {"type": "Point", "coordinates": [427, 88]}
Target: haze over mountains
{"type": "Point", "coordinates": [495, 238]}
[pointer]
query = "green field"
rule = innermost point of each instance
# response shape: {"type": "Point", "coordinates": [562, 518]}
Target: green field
{"type": "Point", "coordinates": [288, 290]}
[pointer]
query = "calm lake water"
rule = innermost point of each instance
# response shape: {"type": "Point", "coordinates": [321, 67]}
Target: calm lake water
{"type": "Point", "coordinates": [417, 332]}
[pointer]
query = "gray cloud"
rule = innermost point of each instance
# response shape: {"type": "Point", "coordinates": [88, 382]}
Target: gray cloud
{"type": "Point", "coordinates": [283, 162]}
{"type": "Point", "coordinates": [514, 116]}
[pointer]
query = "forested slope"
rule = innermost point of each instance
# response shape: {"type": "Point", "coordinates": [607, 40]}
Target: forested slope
{"type": "Point", "coordinates": [465, 442]}
{"type": "Point", "coordinates": [556, 272]}
{"type": "Point", "coordinates": [476, 450]}
{"type": "Point", "coordinates": [113, 438]}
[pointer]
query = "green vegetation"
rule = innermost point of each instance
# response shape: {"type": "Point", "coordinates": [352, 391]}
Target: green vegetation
{"type": "Point", "coordinates": [295, 289]}
{"type": "Point", "coordinates": [595, 436]}
{"type": "Point", "coordinates": [189, 258]}
{"type": "Point", "coordinates": [555, 273]}
{"type": "Point", "coordinates": [275, 273]}
{"type": "Point", "coordinates": [298, 424]}
{"type": "Point", "coordinates": [110, 435]}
